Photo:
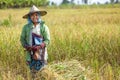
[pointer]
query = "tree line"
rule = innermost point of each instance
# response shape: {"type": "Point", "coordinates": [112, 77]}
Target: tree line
{"type": "Point", "coordinates": [27, 3]}
{"type": "Point", "coordinates": [21, 3]}
{"type": "Point", "coordinates": [86, 1]}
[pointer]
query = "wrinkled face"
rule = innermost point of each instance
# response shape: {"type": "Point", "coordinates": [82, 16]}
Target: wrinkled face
{"type": "Point", "coordinates": [34, 17]}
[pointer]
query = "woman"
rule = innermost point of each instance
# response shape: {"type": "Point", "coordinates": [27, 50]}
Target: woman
{"type": "Point", "coordinates": [35, 38]}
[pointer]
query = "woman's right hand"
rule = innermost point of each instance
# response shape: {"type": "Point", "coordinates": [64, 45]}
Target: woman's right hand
{"type": "Point", "coordinates": [28, 48]}
{"type": "Point", "coordinates": [35, 48]}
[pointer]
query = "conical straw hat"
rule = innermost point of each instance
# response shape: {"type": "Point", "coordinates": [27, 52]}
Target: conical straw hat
{"type": "Point", "coordinates": [34, 9]}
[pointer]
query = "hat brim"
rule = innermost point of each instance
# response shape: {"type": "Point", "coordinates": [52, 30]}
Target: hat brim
{"type": "Point", "coordinates": [42, 13]}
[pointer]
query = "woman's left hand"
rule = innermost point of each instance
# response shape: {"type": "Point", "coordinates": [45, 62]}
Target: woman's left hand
{"type": "Point", "coordinates": [42, 45]}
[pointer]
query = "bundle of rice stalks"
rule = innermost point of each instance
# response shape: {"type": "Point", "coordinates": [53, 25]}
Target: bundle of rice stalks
{"type": "Point", "coordinates": [70, 70]}
{"type": "Point", "coordinates": [67, 70]}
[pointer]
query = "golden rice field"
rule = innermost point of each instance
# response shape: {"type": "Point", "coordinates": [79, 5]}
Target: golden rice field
{"type": "Point", "coordinates": [86, 38]}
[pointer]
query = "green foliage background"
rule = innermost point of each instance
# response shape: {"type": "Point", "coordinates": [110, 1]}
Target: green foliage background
{"type": "Point", "coordinates": [21, 3]}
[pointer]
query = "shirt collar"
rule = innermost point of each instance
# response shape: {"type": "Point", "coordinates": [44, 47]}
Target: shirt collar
{"type": "Point", "coordinates": [36, 25]}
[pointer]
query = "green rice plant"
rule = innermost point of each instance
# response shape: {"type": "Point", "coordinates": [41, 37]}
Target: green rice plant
{"type": "Point", "coordinates": [7, 22]}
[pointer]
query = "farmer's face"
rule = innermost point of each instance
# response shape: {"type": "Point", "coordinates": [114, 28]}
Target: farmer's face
{"type": "Point", "coordinates": [34, 17]}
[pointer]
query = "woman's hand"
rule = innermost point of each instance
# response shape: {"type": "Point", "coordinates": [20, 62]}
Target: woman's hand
{"type": "Point", "coordinates": [35, 48]}
{"type": "Point", "coordinates": [28, 48]}
{"type": "Point", "coordinates": [42, 45]}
